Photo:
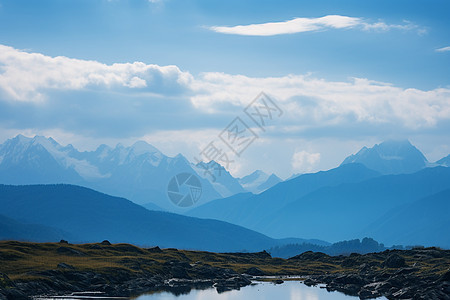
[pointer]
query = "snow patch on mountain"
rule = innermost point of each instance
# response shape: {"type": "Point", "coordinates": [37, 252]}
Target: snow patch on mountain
{"type": "Point", "coordinates": [390, 157]}
{"type": "Point", "coordinates": [258, 181]}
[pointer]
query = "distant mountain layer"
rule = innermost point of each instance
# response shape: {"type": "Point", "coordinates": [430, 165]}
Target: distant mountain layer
{"type": "Point", "coordinates": [14, 230]}
{"type": "Point", "coordinates": [422, 222]}
{"type": "Point", "coordinates": [444, 161]}
{"type": "Point", "coordinates": [90, 216]}
{"type": "Point", "coordinates": [248, 210]}
{"type": "Point", "coordinates": [140, 172]}
{"type": "Point", "coordinates": [223, 182]}
{"type": "Point", "coordinates": [366, 245]}
{"type": "Point", "coordinates": [259, 181]}
{"type": "Point", "coordinates": [391, 157]}
{"type": "Point", "coordinates": [338, 205]}
{"type": "Point", "coordinates": [342, 212]}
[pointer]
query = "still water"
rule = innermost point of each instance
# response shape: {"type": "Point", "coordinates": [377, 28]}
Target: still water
{"type": "Point", "coordinates": [289, 290]}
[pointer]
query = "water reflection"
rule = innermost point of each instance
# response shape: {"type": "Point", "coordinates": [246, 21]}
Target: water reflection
{"type": "Point", "coordinates": [290, 290]}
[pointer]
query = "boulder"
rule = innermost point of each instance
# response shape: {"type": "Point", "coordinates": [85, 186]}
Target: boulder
{"type": "Point", "coordinates": [65, 266]}
{"type": "Point", "coordinates": [309, 255]}
{"type": "Point", "coordinates": [154, 250]}
{"type": "Point", "coordinates": [278, 281]}
{"type": "Point", "coordinates": [254, 272]}
{"type": "Point", "coordinates": [69, 251]}
{"type": "Point", "coordinates": [394, 261]}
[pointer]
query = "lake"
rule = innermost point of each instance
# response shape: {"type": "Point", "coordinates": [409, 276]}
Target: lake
{"type": "Point", "coordinates": [289, 290]}
{"type": "Point", "coordinates": [292, 290]}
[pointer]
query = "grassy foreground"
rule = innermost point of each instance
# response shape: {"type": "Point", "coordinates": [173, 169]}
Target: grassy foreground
{"type": "Point", "coordinates": [40, 263]}
{"type": "Point", "coordinates": [20, 258]}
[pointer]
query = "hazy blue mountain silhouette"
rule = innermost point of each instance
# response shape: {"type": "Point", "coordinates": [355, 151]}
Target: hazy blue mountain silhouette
{"type": "Point", "coordinates": [248, 210]}
{"type": "Point", "coordinates": [445, 161]}
{"type": "Point", "coordinates": [366, 245]}
{"type": "Point", "coordinates": [222, 181]}
{"type": "Point", "coordinates": [90, 216]}
{"type": "Point", "coordinates": [139, 172]}
{"type": "Point", "coordinates": [390, 157]}
{"type": "Point", "coordinates": [423, 222]}
{"type": "Point", "coordinates": [271, 181]}
{"type": "Point", "coordinates": [259, 181]}
{"type": "Point", "coordinates": [152, 206]}
{"type": "Point", "coordinates": [341, 212]}
{"type": "Point", "coordinates": [12, 229]}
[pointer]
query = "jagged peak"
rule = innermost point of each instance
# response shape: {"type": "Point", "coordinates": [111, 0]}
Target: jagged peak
{"type": "Point", "coordinates": [40, 139]}
{"type": "Point", "coordinates": [394, 144]}
{"type": "Point", "coordinates": [103, 147]}
{"type": "Point", "coordinates": [212, 162]}
{"type": "Point", "coordinates": [254, 175]}
{"type": "Point", "coordinates": [119, 146]}
{"type": "Point", "coordinates": [274, 176]}
{"type": "Point", "coordinates": [22, 138]}
{"type": "Point", "coordinates": [392, 156]}
{"type": "Point", "coordinates": [141, 147]}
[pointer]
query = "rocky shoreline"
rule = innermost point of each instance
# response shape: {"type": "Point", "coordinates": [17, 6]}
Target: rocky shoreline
{"type": "Point", "coordinates": [28, 270]}
{"type": "Point", "coordinates": [397, 285]}
{"type": "Point", "coordinates": [174, 278]}
{"type": "Point", "coordinates": [392, 278]}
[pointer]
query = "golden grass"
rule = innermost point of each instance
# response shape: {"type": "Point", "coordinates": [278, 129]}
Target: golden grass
{"type": "Point", "coordinates": [21, 261]}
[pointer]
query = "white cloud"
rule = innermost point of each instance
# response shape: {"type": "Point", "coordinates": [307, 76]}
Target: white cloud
{"type": "Point", "coordinates": [24, 76]}
{"type": "Point", "coordinates": [303, 161]}
{"type": "Point", "coordinates": [298, 25]}
{"type": "Point", "coordinates": [443, 49]}
{"type": "Point", "coordinates": [308, 102]}
{"type": "Point", "coordinates": [382, 26]}
{"type": "Point", "coordinates": [313, 102]}
{"type": "Point", "coordinates": [292, 26]}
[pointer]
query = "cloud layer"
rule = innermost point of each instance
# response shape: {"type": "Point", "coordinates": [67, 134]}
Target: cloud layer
{"type": "Point", "coordinates": [298, 25]}
{"type": "Point", "coordinates": [25, 76]}
{"type": "Point", "coordinates": [309, 102]}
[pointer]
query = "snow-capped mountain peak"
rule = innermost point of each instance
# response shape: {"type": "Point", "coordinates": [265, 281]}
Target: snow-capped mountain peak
{"type": "Point", "coordinates": [219, 177]}
{"type": "Point", "coordinates": [142, 147]}
{"type": "Point", "coordinates": [390, 157]}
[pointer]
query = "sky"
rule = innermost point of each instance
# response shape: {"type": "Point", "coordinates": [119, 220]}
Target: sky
{"type": "Point", "coordinates": [177, 73]}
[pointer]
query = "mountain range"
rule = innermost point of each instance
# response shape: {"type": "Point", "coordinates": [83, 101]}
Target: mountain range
{"type": "Point", "coordinates": [248, 209]}
{"type": "Point", "coordinates": [83, 215]}
{"type": "Point", "coordinates": [346, 211]}
{"type": "Point", "coordinates": [348, 201]}
{"type": "Point", "coordinates": [343, 203]}
{"type": "Point", "coordinates": [390, 192]}
{"type": "Point", "coordinates": [140, 172]}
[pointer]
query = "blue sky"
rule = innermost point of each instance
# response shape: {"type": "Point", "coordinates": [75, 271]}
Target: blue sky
{"type": "Point", "coordinates": [347, 74]}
